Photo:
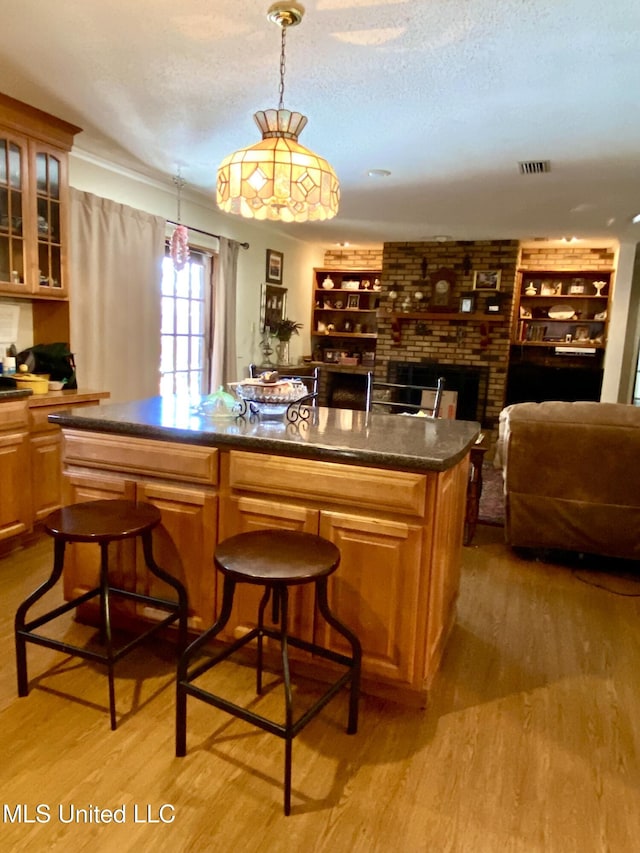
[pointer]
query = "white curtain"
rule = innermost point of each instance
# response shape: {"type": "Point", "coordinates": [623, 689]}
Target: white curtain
{"type": "Point", "coordinates": [224, 364]}
{"type": "Point", "coordinates": [116, 273]}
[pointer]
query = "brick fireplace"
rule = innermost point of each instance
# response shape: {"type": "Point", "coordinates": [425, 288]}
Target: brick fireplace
{"type": "Point", "coordinates": [463, 342]}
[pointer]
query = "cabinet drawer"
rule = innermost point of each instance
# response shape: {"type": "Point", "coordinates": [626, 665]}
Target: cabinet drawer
{"type": "Point", "coordinates": [14, 415]}
{"type": "Point", "coordinates": [352, 485]}
{"type": "Point", "coordinates": [140, 456]}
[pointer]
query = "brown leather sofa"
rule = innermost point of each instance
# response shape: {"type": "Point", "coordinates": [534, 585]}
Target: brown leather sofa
{"type": "Point", "coordinates": [572, 477]}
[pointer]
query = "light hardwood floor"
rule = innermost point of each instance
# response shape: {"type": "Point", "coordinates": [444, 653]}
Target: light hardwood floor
{"type": "Point", "coordinates": [530, 743]}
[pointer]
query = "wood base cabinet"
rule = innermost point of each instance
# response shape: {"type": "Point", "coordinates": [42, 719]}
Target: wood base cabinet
{"type": "Point", "coordinates": [15, 499]}
{"type": "Point", "coordinates": [399, 534]}
{"type": "Point", "coordinates": [181, 481]}
{"type": "Point", "coordinates": [31, 459]}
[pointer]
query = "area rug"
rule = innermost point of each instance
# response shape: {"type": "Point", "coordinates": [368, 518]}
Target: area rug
{"type": "Point", "coordinates": [491, 510]}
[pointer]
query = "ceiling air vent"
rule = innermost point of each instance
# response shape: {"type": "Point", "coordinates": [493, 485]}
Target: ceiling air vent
{"type": "Point", "coordinates": [534, 167]}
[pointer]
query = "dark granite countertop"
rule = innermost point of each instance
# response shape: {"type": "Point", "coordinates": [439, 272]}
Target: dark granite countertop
{"type": "Point", "coordinates": [14, 393]}
{"type": "Point", "coordinates": [337, 435]}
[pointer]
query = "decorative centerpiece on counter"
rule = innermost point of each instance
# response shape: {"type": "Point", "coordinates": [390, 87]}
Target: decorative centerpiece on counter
{"type": "Point", "coordinates": [269, 394]}
{"type": "Point", "coordinates": [283, 332]}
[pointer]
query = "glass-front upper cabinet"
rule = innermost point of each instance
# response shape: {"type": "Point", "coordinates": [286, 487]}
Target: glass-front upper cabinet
{"type": "Point", "coordinates": [49, 224]}
{"type": "Point", "coordinates": [34, 148]}
{"type": "Point", "coordinates": [13, 257]}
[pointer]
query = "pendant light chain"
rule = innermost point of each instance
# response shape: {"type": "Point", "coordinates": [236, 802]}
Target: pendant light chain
{"type": "Point", "coordinates": [282, 66]}
{"type": "Point", "coordinates": [179, 182]}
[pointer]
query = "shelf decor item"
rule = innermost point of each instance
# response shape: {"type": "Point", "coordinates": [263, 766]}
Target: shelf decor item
{"type": "Point", "coordinates": [277, 178]}
{"type": "Point", "coordinates": [283, 332]}
{"type": "Point", "coordinates": [442, 284]}
{"type": "Point", "coordinates": [275, 263]}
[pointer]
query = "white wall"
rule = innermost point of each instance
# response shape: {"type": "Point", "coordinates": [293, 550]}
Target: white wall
{"type": "Point", "coordinates": [624, 327]}
{"type": "Point", "coordinates": [198, 211]}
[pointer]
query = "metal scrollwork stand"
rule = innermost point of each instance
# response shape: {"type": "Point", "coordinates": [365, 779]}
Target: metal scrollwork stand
{"type": "Point", "coordinates": [297, 412]}
{"type": "Point", "coordinates": [301, 409]}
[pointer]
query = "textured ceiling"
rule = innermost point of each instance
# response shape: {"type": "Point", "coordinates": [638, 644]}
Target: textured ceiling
{"type": "Point", "coordinates": [448, 95]}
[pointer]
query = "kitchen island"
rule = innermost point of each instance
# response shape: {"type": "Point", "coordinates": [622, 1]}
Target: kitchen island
{"type": "Point", "coordinates": [388, 490]}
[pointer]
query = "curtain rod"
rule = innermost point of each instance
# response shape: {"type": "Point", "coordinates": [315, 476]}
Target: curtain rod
{"type": "Point", "coordinates": [206, 233]}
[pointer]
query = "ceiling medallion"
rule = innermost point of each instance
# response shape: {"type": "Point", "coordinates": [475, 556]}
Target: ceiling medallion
{"type": "Point", "coordinates": [277, 178]}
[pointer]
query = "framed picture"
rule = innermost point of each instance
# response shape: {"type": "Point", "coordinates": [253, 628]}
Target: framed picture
{"type": "Point", "coordinates": [467, 303]}
{"type": "Point", "coordinates": [551, 288]}
{"type": "Point", "coordinates": [274, 306]}
{"type": "Point", "coordinates": [486, 280]}
{"type": "Point", "coordinates": [331, 356]}
{"type": "Point", "coordinates": [494, 303]}
{"type": "Point", "coordinates": [582, 333]}
{"type": "Point", "coordinates": [353, 300]}
{"type": "Point", "coordinates": [275, 262]}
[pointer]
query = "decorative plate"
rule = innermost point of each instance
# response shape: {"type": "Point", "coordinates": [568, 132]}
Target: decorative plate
{"type": "Point", "coordinates": [562, 311]}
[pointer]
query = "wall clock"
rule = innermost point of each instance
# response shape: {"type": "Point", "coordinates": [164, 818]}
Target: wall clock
{"type": "Point", "coordinates": [442, 281]}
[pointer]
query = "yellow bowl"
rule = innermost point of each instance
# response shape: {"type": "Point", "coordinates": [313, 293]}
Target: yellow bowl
{"type": "Point", "coordinates": [37, 382]}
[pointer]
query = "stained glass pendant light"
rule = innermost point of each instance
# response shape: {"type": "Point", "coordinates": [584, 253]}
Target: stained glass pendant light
{"type": "Point", "coordinates": [277, 178]}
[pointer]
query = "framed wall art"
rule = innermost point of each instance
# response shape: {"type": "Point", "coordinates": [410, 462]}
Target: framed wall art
{"type": "Point", "coordinates": [467, 303]}
{"type": "Point", "coordinates": [486, 280]}
{"type": "Point", "coordinates": [275, 263]}
{"type": "Point", "coordinates": [273, 308]}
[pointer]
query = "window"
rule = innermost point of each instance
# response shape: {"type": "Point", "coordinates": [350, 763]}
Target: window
{"type": "Point", "coordinates": [184, 360]}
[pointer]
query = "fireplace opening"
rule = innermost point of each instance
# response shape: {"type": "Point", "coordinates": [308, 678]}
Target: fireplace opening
{"type": "Point", "coordinates": [471, 383]}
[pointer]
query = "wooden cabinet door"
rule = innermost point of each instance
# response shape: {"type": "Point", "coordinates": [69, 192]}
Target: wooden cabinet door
{"type": "Point", "coordinates": [240, 514]}
{"type": "Point", "coordinates": [446, 558]}
{"type": "Point", "coordinates": [48, 167]}
{"type": "Point", "coordinates": [15, 511]}
{"type": "Point", "coordinates": [183, 545]}
{"type": "Point", "coordinates": [46, 488]}
{"type": "Point", "coordinates": [376, 592]}
{"type": "Point", "coordinates": [14, 214]}
{"type": "Point", "coordinates": [82, 560]}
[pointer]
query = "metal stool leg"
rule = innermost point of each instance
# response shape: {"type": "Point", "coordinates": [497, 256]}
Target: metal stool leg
{"type": "Point", "coordinates": [323, 607]}
{"type": "Point", "coordinates": [105, 613]}
{"type": "Point", "coordinates": [183, 675]}
{"type": "Point", "coordinates": [283, 596]}
{"type": "Point", "coordinates": [19, 623]}
{"type": "Point", "coordinates": [259, 662]}
{"type": "Point", "coordinates": [154, 568]}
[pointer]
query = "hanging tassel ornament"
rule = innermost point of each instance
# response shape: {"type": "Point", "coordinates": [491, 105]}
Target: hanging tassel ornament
{"type": "Point", "coordinates": [179, 244]}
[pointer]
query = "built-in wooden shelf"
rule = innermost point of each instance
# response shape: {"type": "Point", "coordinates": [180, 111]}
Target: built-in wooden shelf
{"type": "Point", "coordinates": [442, 315]}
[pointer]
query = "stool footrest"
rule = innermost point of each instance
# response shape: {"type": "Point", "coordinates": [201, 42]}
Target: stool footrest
{"type": "Point", "coordinates": [262, 722]}
{"type": "Point", "coordinates": [279, 729]}
{"type": "Point", "coordinates": [93, 593]}
{"type": "Point", "coordinates": [63, 608]}
{"type": "Point", "coordinates": [254, 633]}
{"type": "Point", "coordinates": [87, 654]}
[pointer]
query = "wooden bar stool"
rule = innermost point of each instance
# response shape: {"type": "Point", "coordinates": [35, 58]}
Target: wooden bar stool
{"type": "Point", "coordinates": [100, 522]}
{"type": "Point", "coordinates": [275, 559]}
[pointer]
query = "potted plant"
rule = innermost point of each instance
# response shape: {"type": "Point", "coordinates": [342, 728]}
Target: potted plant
{"type": "Point", "coordinates": [283, 332]}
